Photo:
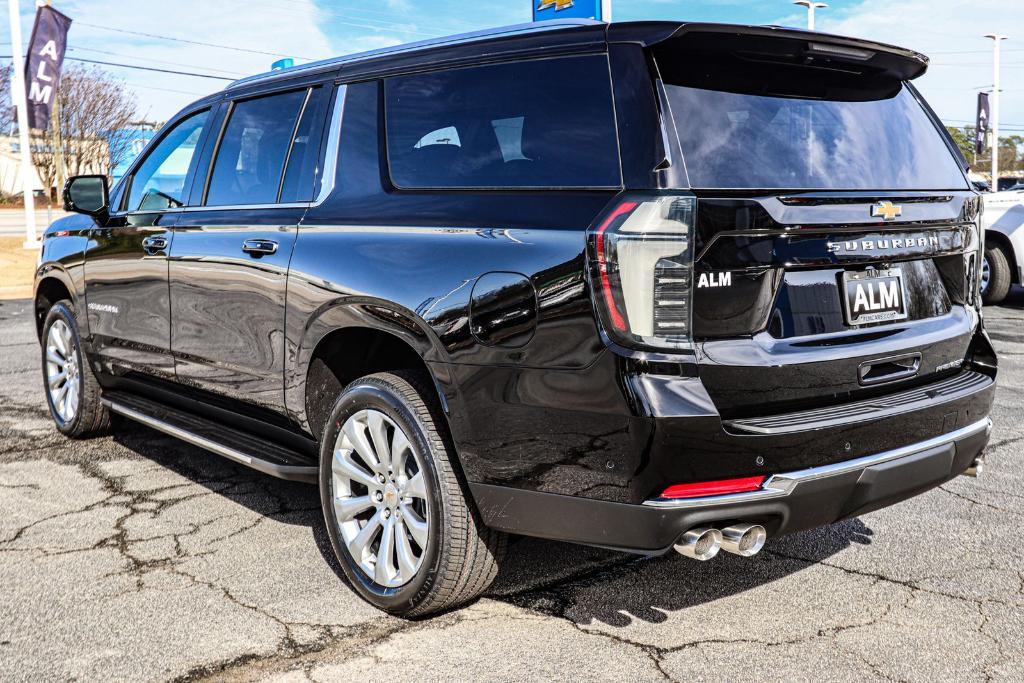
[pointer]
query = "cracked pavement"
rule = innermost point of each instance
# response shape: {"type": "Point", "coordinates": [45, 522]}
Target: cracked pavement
{"type": "Point", "coordinates": [137, 557]}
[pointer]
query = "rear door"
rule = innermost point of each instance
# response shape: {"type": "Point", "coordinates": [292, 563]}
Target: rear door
{"type": "Point", "coordinates": [232, 246]}
{"type": "Point", "coordinates": [126, 272]}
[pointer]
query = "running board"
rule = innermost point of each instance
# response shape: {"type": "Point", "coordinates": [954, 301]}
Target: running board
{"type": "Point", "coordinates": [233, 444]}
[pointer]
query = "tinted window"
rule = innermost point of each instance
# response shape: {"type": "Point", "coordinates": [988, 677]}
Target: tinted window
{"type": "Point", "coordinates": [159, 182]}
{"type": "Point", "coordinates": [300, 176]}
{"type": "Point", "coordinates": [543, 123]}
{"type": "Point", "coordinates": [739, 140]}
{"type": "Point", "coordinates": [252, 151]}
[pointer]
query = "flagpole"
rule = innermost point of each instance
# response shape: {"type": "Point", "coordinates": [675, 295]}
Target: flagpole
{"type": "Point", "coordinates": [18, 94]}
{"type": "Point", "coordinates": [57, 140]}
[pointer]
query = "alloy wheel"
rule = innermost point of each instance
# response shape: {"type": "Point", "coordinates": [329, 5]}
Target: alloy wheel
{"type": "Point", "coordinates": [986, 274]}
{"type": "Point", "coordinates": [62, 371]}
{"type": "Point", "coordinates": [379, 496]}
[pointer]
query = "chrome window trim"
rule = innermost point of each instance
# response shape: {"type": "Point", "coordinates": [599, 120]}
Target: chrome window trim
{"type": "Point", "coordinates": [330, 170]}
{"type": "Point", "coordinates": [242, 207]}
{"type": "Point", "coordinates": [139, 212]}
{"type": "Point", "coordinates": [781, 485]}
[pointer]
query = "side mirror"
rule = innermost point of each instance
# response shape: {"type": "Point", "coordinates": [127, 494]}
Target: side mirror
{"type": "Point", "coordinates": [86, 194]}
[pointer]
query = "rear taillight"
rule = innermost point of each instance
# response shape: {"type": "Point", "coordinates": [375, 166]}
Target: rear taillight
{"type": "Point", "coordinates": [641, 267]}
{"type": "Point", "coordinates": [976, 250]}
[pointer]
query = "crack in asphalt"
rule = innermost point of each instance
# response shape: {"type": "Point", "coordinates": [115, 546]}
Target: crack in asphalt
{"type": "Point", "coordinates": [973, 501]}
{"type": "Point", "coordinates": [302, 646]}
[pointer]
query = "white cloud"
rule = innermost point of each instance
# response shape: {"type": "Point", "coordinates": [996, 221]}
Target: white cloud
{"type": "Point", "coordinates": [951, 33]}
{"type": "Point", "coordinates": [288, 29]}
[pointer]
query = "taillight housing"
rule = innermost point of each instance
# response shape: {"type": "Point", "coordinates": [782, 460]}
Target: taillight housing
{"type": "Point", "coordinates": [640, 256]}
{"type": "Point", "coordinates": [974, 249]}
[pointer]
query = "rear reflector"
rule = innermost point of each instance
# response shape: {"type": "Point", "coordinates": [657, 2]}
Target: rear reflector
{"type": "Point", "coordinates": [713, 488]}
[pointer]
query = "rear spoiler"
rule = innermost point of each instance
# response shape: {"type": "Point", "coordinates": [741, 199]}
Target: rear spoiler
{"type": "Point", "coordinates": [778, 43]}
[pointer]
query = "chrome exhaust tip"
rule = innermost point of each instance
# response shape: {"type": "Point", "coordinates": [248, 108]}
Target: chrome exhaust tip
{"type": "Point", "coordinates": [744, 540]}
{"type": "Point", "coordinates": [976, 468]}
{"type": "Point", "coordinates": [700, 543]}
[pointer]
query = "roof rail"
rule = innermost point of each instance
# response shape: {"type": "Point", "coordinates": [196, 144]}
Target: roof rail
{"type": "Point", "coordinates": [462, 38]}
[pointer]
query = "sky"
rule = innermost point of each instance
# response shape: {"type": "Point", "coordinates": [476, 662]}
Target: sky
{"type": "Point", "coordinates": [261, 31]}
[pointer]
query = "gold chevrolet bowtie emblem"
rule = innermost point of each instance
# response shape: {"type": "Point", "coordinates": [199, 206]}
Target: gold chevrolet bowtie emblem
{"type": "Point", "coordinates": [886, 211]}
{"type": "Point", "coordinates": [559, 5]}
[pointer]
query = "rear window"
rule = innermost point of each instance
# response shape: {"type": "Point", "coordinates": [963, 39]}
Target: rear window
{"type": "Point", "coordinates": [752, 141]}
{"type": "Point", "coordinates": [543, 123]}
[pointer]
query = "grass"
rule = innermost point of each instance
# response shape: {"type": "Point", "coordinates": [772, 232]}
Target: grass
{"type": "Point", "coordinates": [17, 268]}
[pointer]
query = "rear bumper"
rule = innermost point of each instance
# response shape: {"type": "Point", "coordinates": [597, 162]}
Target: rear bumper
{"type": "Point", "coordinates": [789, 502]}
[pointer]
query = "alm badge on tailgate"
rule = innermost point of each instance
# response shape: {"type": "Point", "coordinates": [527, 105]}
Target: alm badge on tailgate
{"type": "Point", "coordinates": [874, 296]}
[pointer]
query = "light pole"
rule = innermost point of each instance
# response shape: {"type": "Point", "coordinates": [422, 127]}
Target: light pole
{"type": "Point", "coordinates": [811, 6]}
{"type": "Point", "coordinates": [996, 40]}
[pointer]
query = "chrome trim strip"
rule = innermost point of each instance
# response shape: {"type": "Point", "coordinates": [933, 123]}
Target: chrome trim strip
{"type": "Point", "coordinates": [462, 38]}
{"type": "Point", "coordinates": [781, 485]}
{"type": "Point", "coordinates": [207, 444]}
{"type": "Point", "coordinates": [240, 207]}
{"type": "Point", "coordinates": [330, 170]}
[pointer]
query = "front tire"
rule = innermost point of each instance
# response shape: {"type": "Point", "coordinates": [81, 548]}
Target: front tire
{"type": "Point", "coordinates": [72, 391]}
{"type": "Point", "coordinates": [397, 512]}
{"type": "Point", "coordinates": [996, 276]}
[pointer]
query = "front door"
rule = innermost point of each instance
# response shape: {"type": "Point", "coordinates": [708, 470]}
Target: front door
{"type": "Point", "coordinates": [126, 261]}
{"type": "Point", "coordinates": [230, 255]}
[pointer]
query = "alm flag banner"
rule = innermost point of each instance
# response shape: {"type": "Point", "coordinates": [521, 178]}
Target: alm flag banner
{"type": "Point", "coordinates": [43, 66]}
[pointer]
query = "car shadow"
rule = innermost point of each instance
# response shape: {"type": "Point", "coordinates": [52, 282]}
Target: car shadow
{"type": "Point", "coordinates": [1015, 299]}
{"type": "Point", "coordinates": [619, 589]}
{"type": "Point", "coordinates": [540, 575]}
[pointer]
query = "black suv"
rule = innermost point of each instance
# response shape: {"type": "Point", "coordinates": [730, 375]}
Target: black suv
{"type": "Point", "coordinates": [642, 286]}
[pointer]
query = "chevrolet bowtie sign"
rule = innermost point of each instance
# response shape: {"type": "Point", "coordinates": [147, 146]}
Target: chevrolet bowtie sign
{"type": "Point", "coordinates": [43, 64]}
{"type": "Point", "coordinates": [887, 211]}
{"type": "Point", "coordinates": [559, 5]}
{"type": "Point", "coordinates": [569, 9]}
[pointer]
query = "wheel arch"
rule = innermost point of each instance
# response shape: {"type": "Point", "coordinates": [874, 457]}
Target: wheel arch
{"type": "Point", "coordinates": [350, 340]}
{"type": "Point", "coordinates": [52, 286]}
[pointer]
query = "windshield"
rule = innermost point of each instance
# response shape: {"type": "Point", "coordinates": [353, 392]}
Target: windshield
{"type": "Point", "coordinates": [734, 140]}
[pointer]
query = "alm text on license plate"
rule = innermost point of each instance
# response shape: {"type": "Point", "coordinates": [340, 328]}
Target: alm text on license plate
{"type": "Point", "coordinates": [874, 296]}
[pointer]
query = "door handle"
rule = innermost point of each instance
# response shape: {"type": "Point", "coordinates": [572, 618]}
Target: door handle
{"type": "Point", "coordinates": [889, 369]}
{"type": "Point", "coordinates": [154, 244]}
{"type": "Point", "coordinates": [259, 247]}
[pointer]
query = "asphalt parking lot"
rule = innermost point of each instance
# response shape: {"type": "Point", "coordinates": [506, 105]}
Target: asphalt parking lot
{"type": "Point", "coordinates": [137, 557]}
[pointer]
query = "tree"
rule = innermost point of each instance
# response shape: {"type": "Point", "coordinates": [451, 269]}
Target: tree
{"type": "Point", "coordinates": [92, 108]}
{"type": "Point", "coordinates": [6, 105]}
{"type": "Point", "coordinates": [964, 139]}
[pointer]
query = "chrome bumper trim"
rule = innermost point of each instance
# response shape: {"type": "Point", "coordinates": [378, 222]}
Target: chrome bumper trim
{"type": "Point", "coordinates": [781, 485]}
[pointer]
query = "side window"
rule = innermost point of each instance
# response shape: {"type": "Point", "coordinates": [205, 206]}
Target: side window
{"type": "Point", "coordinates": [253, 149]}
{"type": "Point", "coordinates": [300, 176]}
{"type": "Point", "coordinates": [538, 123]}
{"type": "Point", "coordinates": [159, 182]}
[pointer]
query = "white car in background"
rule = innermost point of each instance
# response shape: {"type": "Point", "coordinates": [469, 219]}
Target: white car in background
{"type": "Point", "coordinates": [1004, 244]}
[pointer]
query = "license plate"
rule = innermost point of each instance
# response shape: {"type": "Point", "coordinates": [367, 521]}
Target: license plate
{"type": "Point", "coordinates": [874, 296]}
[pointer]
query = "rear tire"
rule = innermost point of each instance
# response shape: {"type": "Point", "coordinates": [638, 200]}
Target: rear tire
{"type": "Point", "coordinates": [72, 391]}
{"type": "Point", "coordinates": [999, 275]}
{"type": "Point", "coordinates": [387, 464]}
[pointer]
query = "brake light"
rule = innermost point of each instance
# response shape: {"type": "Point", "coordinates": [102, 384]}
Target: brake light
{"type": "Point", "coordinates": [713, 488]}
{"type": "Point", "coordinates": [641, 265]}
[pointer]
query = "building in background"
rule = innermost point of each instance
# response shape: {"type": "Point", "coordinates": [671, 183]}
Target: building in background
{"type": "Point", "coordinates": [126, 144]}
